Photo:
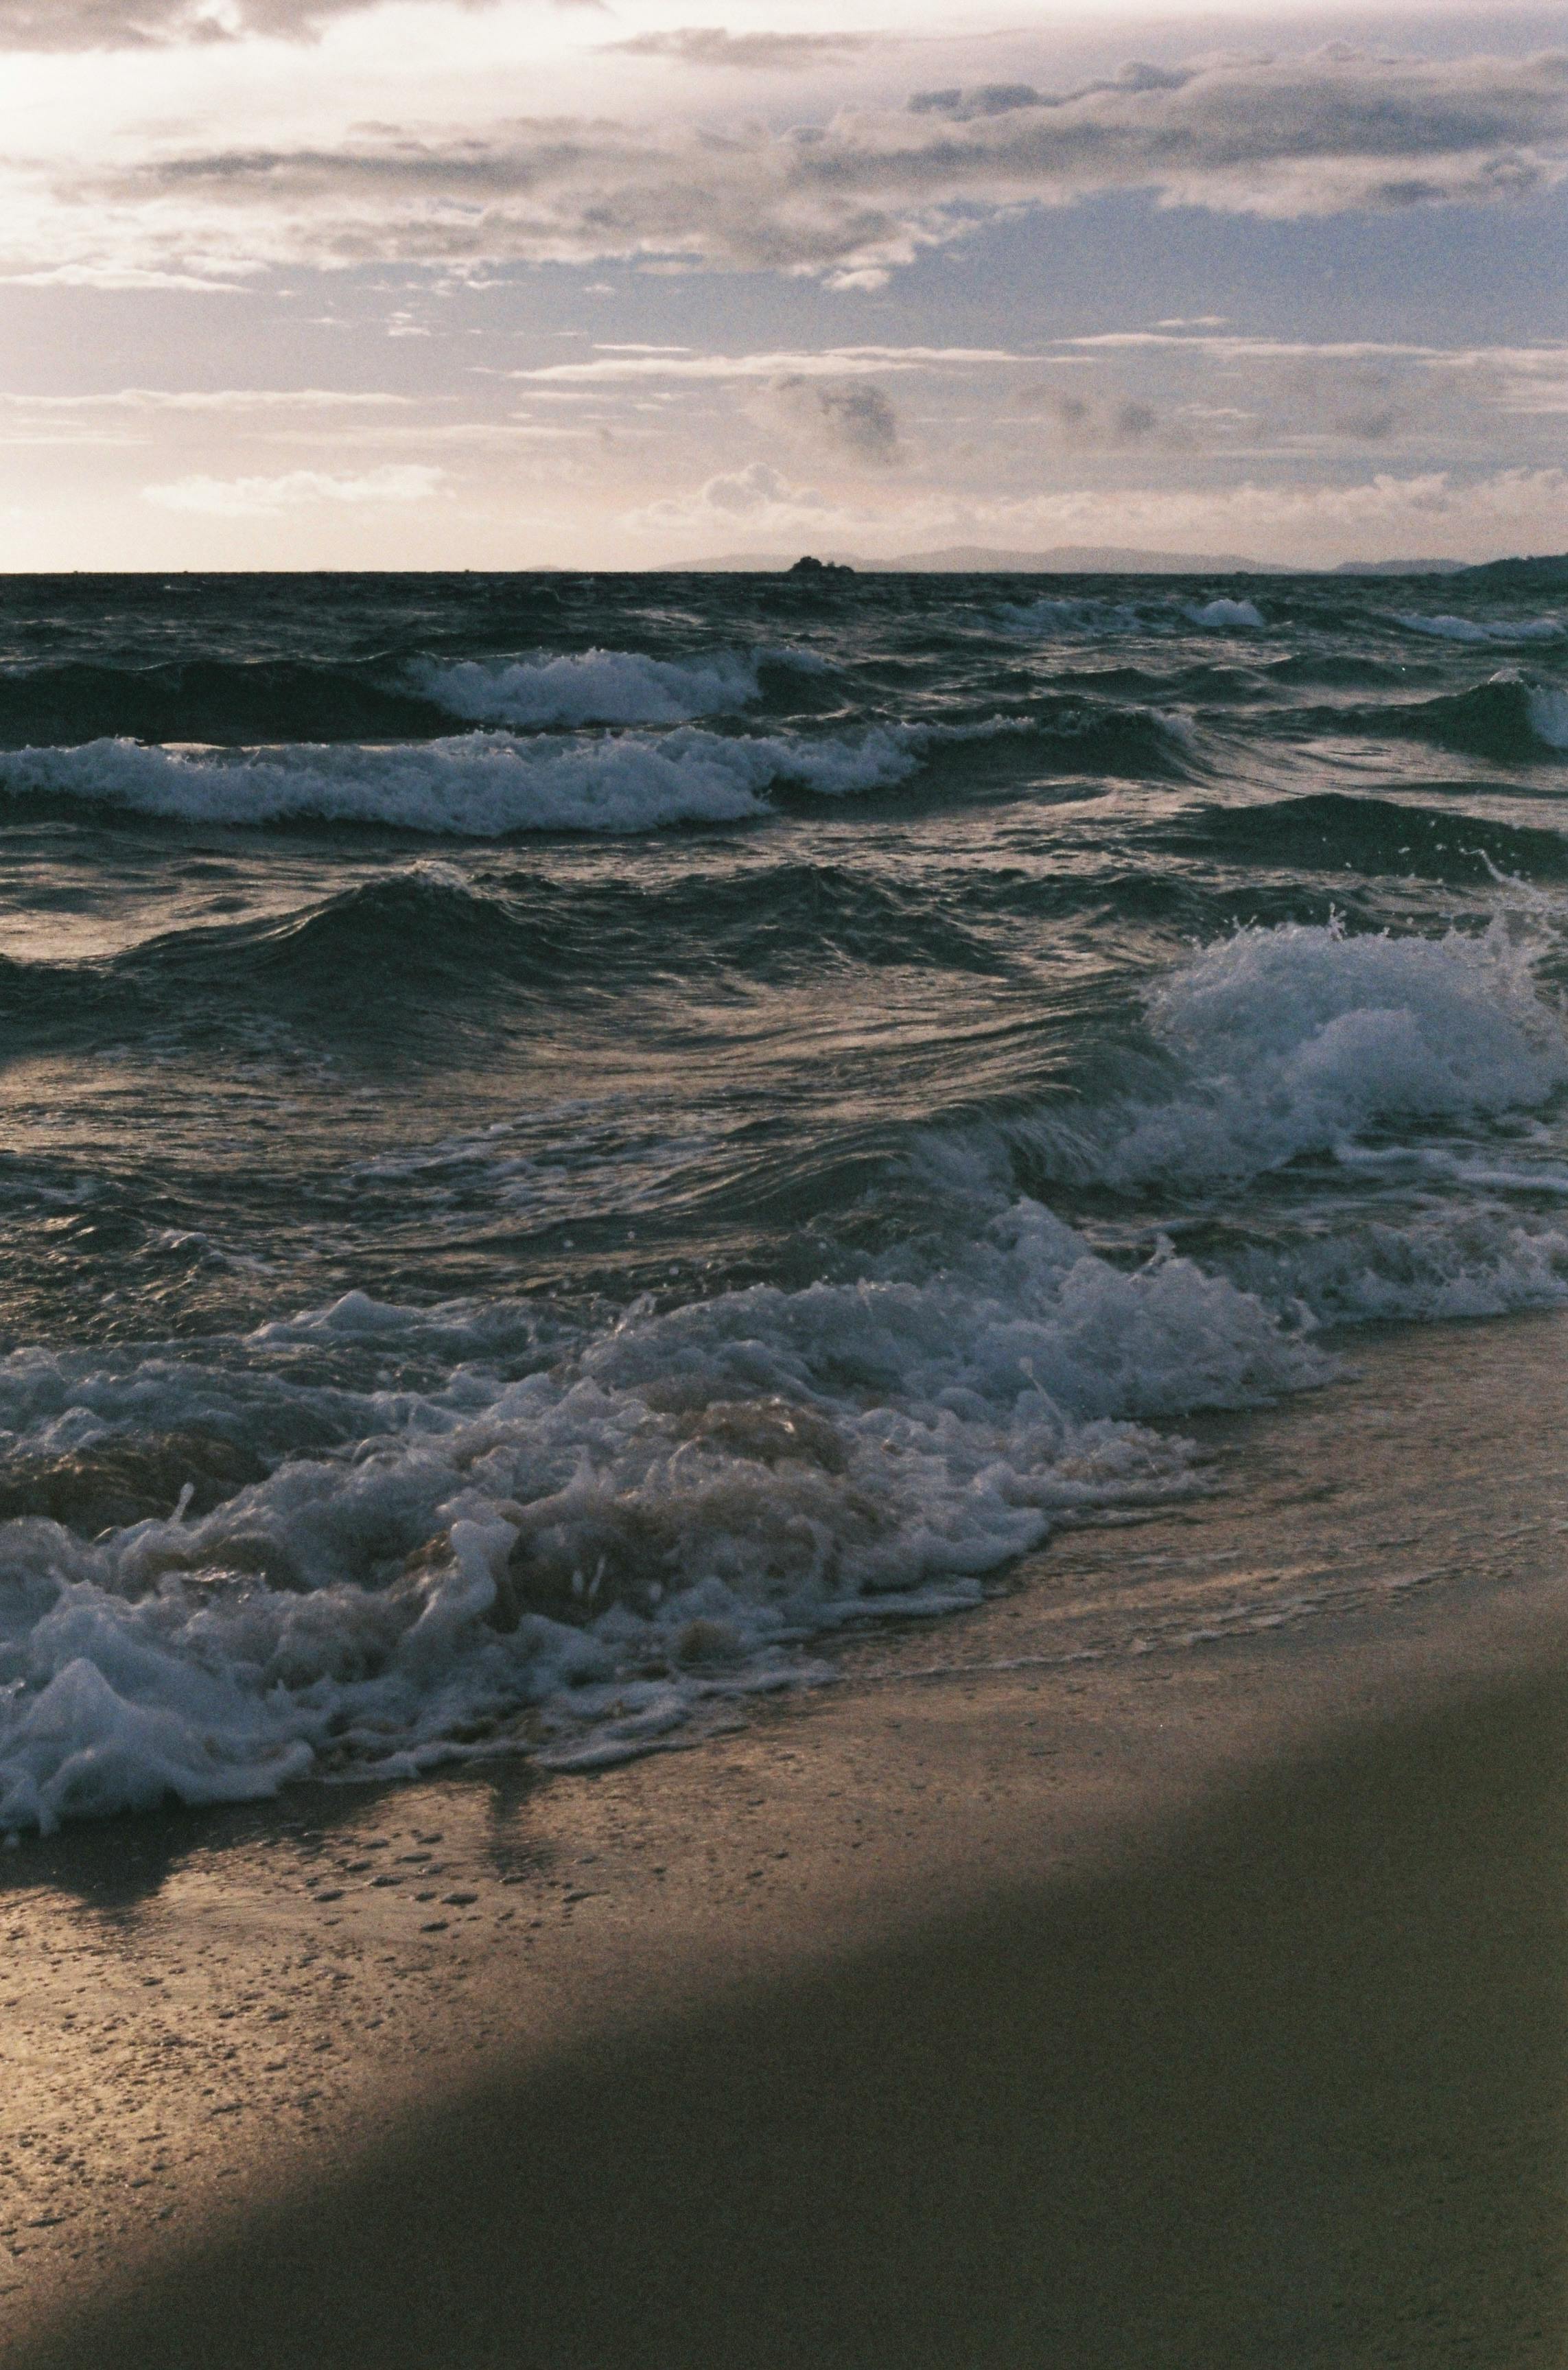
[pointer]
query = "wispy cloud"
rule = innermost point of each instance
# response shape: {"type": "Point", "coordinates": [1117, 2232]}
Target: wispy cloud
{"type": "Point", "coordinates": [710, 45]}
{"type": "Point", "coordinates": [258, 497]}
{"type": "Point", "coordinates": [619, 367]}
{"type": "Point", "coordinates": [228, 398]}
{"type": "Point", "coordinates": [66, 25]}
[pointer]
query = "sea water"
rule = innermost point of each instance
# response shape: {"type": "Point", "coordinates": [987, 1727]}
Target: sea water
{"type": "Point", "coordinates": [567, 1139]}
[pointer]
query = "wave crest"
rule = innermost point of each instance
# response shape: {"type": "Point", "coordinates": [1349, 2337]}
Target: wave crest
{"type": "Point", "coordinates": [601, 686]}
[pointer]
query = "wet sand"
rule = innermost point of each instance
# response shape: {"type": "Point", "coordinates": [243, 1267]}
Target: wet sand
{"type": "Point", "coordinates": [1195, 2005]}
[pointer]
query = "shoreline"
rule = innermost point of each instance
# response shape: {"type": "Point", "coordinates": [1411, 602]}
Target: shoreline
{"type": "Point", "coordinates": [884, 1961]}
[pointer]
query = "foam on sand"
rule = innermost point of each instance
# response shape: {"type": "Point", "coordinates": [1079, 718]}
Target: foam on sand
{"type": "Point", "coordinates": [580, 1561]}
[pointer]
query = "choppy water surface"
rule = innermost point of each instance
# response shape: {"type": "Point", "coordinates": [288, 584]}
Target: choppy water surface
{"type": "Point", "coordinates": [566, 1138]}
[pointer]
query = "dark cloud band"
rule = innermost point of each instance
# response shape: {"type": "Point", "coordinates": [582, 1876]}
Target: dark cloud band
{"type": "Point", "coordinates": [865, 193]}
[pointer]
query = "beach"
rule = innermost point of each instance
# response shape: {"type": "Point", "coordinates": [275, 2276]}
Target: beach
{"type": "Point", "coordinates": [1033, 1993]}
{"type": "Point", "coordinates": [784, 1187]}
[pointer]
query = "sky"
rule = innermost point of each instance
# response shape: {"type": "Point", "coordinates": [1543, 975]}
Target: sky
{"type": "Point", "coordinates": [623, 283]}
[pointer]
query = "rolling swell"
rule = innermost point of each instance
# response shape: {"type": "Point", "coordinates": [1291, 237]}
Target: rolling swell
{"type": "Point", "coordinates": [214, 700]}
{"type": "Point", "coordinates": [228, 703]}
{"type": "Point", "coordinates": [444, 948]}
{"type": "Point", "coordinates": [1330, 833]}
{"type": "Point", "coordinates": [523, 1286]}
{"type": "Point", "coordinates": [1511, 721]}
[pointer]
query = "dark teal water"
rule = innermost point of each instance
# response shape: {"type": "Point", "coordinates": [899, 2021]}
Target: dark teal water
{"type": "Point", "coordinates": [566, 1137]}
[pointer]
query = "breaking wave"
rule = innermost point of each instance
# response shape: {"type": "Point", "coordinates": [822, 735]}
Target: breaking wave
{"type": "Point", "coordinates": [603, 686]}
{"type": "Point", "coordinates": [1484, 631]}
{"type": "Point", "coordinates": [577, 1561]}
{"type": "Point", "coordinates": [1290, 1042]}
{"type": "Point", "coordinates": [479, 785]}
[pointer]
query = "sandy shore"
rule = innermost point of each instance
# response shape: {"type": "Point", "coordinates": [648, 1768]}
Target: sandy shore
{"type": "Point", "coordinates": [1199, 2000]}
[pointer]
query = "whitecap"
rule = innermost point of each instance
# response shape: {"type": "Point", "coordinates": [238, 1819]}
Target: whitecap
{"type": "Point", "coordinates": [477, 784]}
{"type": "Point", "coordinates": [1219, 613]}
{"type": "Point", "coordinates": [1489, 631]}
{"type": "Point", "coordinates": [600, 687]}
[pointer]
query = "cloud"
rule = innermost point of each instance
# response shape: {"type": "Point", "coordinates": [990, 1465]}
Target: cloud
{"type": "Point", "coordinates": [710, 45]}
{"type": "Point", "coordinates": [228, 398]}
{"type": "Point", "coordinates": [1087, 421]}
{"type": "Point", "coordinates": [757, 499]}
{"type": "Point", "coordinates": [757, 488]}
{"type": "Point", "coordinates": [260, 497]}
{"type": "Point", "coordinates": [1301, 394]}
{"type": "Point", "coordinates": [65, 25]}
{"type": "Point", "coordinates": [627, 366]}
{"type": "Point", "coordinates": [853, 198]}
{"type": "Point", "coordinates": [849, 417]}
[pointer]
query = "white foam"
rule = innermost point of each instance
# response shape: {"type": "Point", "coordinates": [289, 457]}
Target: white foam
{"type": "Point", "coordinates": [589, 1555]}
{"type": "Point", "coordinates": [1427, 1266]}
{"type": "Point", "coordinates": [601, 686]}
{"type": "Point", "coordinates": [1296, 1040]}
{"type": "Point", "coordinates": [1483, 630]}
{"type": "Point", "coordinates": [477, 783]}
{"type": "Point", "coordinates": [1548, 710]}
{"type": "Point", "coordinates": [1221, 613]}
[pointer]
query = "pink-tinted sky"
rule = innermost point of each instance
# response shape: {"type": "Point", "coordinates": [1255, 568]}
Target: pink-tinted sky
{"type": "Point", "coordinates": [307, 282]}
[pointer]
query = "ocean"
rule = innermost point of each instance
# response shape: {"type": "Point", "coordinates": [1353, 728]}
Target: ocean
{"type": "Point", "coordinates": [572, 1142]}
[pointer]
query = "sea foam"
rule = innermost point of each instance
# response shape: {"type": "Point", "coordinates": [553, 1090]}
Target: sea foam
{"type": "Point", "coordinates": [577, 1561]}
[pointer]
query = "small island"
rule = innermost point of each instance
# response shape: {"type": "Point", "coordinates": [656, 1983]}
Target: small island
{"type": "Point", "coordinates": [808, 566]}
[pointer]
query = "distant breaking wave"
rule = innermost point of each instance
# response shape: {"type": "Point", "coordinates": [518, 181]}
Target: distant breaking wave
{"type": "Point", "coordinates": [488, 784]}
{"type": "Point", "coordinates": [1085, 616]}
{"type": "Point", "coordinates": [1482, 630]}
{"type": "Point", "coordinates": [603, 686]}
{"type": "Point", "coordinates": [229, 702]}
{"type": "Point", "coordinates": [480, 785]}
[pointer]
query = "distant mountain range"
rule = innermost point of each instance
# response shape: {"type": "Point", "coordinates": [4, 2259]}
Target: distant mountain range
{"type": "Point", "coordinates": [1079, 559]}
{"type": "Point", "coordinates": [979, 559]}
{"type": "Point", "coordinates": [1400, 567]}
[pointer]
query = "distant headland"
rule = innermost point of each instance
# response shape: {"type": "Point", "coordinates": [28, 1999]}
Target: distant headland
{"type": "Point", "coordinates": [1550, 572]}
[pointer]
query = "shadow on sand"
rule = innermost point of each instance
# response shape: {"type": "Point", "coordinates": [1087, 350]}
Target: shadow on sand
{"type": "Point", "coordinates": [1284, 2086]}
